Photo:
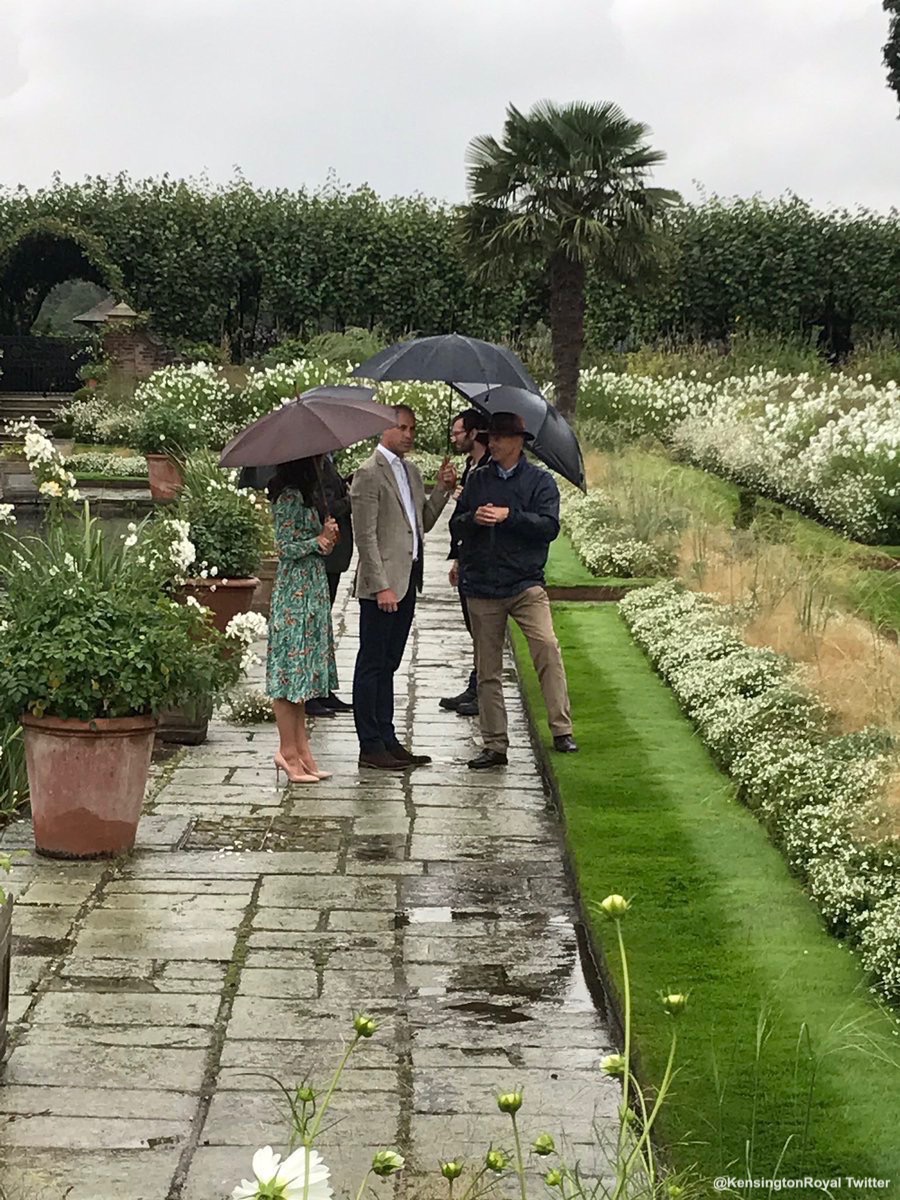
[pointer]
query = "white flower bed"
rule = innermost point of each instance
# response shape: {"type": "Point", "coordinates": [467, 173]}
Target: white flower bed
{"type": "Point", "coordinates": [814, 791]}
{"type": "Point", "coordinates": [119, 465]}
{"type": "Point", "coordinates": [830, 447]}
{"type": "Point", "coordinates": [604, 544]}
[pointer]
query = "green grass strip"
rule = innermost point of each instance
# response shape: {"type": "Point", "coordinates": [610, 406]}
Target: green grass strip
{"type": "Point", "coordinates": [716, 912]}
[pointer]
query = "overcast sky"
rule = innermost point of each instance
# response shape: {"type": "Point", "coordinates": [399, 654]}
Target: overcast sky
{"type": "Point", "coordinates": [744, 95]}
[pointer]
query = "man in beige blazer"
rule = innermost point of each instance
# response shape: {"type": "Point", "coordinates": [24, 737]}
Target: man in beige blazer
{"type": "Point", "coordinates": [391, 516]}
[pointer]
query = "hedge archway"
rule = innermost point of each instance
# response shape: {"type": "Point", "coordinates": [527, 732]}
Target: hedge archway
{"type": "Point", "coordinates": [42, 255]}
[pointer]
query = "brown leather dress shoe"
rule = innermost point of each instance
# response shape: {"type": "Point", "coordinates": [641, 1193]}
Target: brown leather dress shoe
{"type": "Point", "coordinates": [381, 760]}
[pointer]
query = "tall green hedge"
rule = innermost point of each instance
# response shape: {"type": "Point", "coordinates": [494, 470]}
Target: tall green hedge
{"type": "Point", "coordinates": [254, 265]}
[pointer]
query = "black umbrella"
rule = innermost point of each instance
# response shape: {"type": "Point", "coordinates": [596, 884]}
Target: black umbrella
{"type": "Point", "coordinates": [554, 442]}
{"type": "Point", "coordinates": [445, 358]}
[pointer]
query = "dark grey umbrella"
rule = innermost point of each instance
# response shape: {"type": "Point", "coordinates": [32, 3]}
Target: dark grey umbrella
{"type": "Point", "coordinates": [320, 420]}
{"type": "Point", "coordinates": [445, 358]}
{"type": "Point", "coordinates": [554, 442]}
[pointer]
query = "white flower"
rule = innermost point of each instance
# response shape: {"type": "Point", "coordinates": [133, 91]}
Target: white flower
{"type": "Point", "coordinates": [247, 627]}
{"type": "Point", "coordinates": [50, 488]}
{"type": "Point", "coordinates": [286, 1179]}
{"type": "Point", "coordinates": [130, 541]}
{"type": "Point", "coordinates": [7, 514]}
{"type": "Point", "coordinates": [193, 602]}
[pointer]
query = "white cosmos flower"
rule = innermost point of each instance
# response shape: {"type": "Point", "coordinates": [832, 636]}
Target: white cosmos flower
{"type": "Point", "coordinates": [285, 1179]}
{"type": "Point", "coordinates": [50, 488]}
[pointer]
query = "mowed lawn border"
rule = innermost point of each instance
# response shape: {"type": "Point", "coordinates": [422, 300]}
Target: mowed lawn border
{"type": "Point", "coordinates": [715, 911]}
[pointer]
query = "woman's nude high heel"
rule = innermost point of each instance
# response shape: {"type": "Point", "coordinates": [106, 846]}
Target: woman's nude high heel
{"type": "Point", "coordinates": [281, 765]}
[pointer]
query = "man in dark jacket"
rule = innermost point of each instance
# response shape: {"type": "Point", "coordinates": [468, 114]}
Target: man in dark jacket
{"type": "Point", "coordinates": [468, 435]}
{"type": "Point", "coordinates": [504, 523]}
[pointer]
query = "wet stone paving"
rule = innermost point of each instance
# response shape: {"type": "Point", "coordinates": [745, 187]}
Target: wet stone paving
{"type": "Point", "coordinates": [157, 998]}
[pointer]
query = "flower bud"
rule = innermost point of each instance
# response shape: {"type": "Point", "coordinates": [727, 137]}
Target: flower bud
{"type": "Point", "coordinates": [613, 1064]}
{"type": "Point", "coordinates": [675, 1003]}
{"type": "Point", "coordinates": [496, 1160]}
{"type": "Point", "coordinates": [451, 1170]}
{"type": "Point", "coordinates": [554, 1178]}
{"type": "Point", "coordinates": [543, 1145]}
{"type": "Point", "coordinates": [615, 906]}
{"type": "Point", "coordinates": [674, 1191]}
{"type": "Point", "coordinates": [510, 1102]}
{"type": "Point", "coordinates": [364, 1025]}
{"type": "Point", "coordinates": [306, 1095]}
{"type": "Point", "coordinates": [387, 1162]}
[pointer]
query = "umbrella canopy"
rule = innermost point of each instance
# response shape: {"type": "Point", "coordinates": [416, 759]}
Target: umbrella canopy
{"type": "Point", "coordinates": [318, 421]}
{"type": "Point", "coordinates": [445, 358]}
{"type": "Point", "coordinates": [554, 442]}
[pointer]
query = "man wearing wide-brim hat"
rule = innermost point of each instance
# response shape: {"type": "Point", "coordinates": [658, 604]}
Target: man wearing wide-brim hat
{"type": "Point", "coordinates": [505, 520]}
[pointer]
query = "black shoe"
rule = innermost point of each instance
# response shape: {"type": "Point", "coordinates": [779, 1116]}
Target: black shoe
{"type": "Point", "coordinates": [381, 760]}
{"type": "Point", "coordinates": [487, 759]}
{"type": "Point", "coordinates": [452, 703]}
{"type": "Point", "coordinates": [468, 708]}
{"type": "Point", "coordinates": [565, 744]}
{"type": "Point", "coordinates": [316, 708]}
{"type": "Point", "coordinates": [407, 758]}
{"type": "Point", "coordinates": [335, 704]}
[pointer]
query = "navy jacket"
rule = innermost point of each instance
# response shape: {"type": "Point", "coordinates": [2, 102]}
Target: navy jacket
{"type": "Point", "coordinates": [505, 559]}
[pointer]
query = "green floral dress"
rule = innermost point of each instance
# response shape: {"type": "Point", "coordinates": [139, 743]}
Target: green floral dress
{"type": "Point", "coordinates": [300, 662]}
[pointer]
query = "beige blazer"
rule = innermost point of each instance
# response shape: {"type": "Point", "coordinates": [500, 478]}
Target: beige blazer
{"type": "Point", "coordinates": [384, 537]}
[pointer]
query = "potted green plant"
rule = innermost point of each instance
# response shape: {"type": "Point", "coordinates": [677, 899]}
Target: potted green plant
{"type": "Point", "coordinates": [229, 531]}
{"type": "Point", "coordinates": [92, 648]}
{"type": "Point", "coordinates": [182, 408]}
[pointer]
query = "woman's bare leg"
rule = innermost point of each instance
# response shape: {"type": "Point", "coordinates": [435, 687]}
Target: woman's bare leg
{"type": "Point", "coordinates": [301, 739]}
{"type": "Point", "coordinates": [286, 723]}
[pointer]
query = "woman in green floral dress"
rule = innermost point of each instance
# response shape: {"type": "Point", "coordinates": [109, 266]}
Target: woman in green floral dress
{"type": "Point", "coordinates": [300, 661]}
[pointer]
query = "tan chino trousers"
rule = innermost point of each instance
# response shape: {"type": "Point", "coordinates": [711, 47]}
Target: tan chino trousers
{"type": "Point", "coordinates": [531, 612]}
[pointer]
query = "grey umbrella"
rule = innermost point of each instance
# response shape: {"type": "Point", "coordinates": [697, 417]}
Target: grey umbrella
{"type": "Point", "coordinates": [318, 421]}
{"type": "Point", "coordinates": [554, 442]}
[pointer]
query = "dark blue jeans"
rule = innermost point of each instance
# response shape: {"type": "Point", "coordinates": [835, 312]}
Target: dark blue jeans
{"type": "Point", "coordinates": [382, 640]}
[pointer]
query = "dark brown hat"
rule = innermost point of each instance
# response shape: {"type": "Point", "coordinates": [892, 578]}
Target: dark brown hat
{"type": "Point", "coordinates": [509, 425]}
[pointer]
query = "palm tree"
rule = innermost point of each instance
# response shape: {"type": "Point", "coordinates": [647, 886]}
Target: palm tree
{"type": "Point", "coordinates": [891, 48]}
{"type": "Point", "coordinates": [566, 186]}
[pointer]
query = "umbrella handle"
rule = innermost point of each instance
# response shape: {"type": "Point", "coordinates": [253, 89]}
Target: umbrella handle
{"type": "Point", "coordinates": [322, 492]}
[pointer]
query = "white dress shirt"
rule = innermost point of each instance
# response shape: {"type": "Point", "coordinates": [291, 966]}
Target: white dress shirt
{"type": "Point", "coordinates": [399, 468]}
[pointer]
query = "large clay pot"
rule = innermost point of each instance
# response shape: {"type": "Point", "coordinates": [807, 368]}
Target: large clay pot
{"type": "Point", "coordinates": [224, 598]}
{"type": "Point", "coordinates": [87, 781]}
{"type": "Point", "coordinates": [5, 967]}
{"type": "Point", "coordinates": [262, 597]}
{"type": "Point", "coordinates": [166, 476]}
{"type": "Point", "coordinates": [186, 726]}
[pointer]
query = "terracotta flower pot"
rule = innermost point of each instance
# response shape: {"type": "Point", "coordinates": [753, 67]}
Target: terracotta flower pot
{"type": "Point", "coordinates": [166, 476]}
{"type": "Point", "coordinates": [87, 781]}
{"type": "Point", "coordinates": [225, 599]}
{"type": "Point", "coordinates": [187, 725]}
{"type": "Point", "coordinates": [5, 967]}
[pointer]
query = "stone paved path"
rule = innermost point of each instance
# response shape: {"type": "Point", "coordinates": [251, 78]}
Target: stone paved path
{"type": "Point", "coordinates": [153, 996]}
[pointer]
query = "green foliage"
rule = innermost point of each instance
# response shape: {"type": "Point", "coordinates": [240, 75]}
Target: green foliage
{"type": "Point", "coordinates": [228, 525]}
{"type": "Point", "coordinates": [353, 345]}
{"type": "Point", "coordinates": [88, 631]}
{"type": "Point", "coordinates": [13, 775]}
{"type": "Point", "coordinates": [239, 267]}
